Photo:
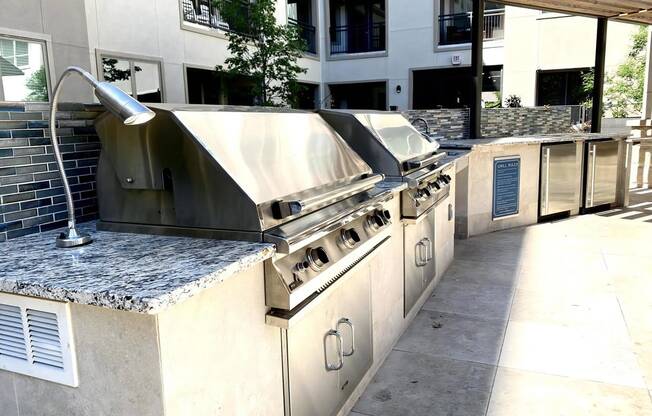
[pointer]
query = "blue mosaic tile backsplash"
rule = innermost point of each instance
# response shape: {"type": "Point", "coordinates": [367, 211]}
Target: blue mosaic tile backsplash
{"type": "Point", "coordinates": [31, 195]}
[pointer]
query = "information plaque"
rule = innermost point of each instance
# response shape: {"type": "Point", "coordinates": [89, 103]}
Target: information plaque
{"type": "Point", "coordinates": [507, 177]}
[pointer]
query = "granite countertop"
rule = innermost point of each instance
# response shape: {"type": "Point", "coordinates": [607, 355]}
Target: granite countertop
{"type": "Point", "coordinates": [470, 144]}
{"type": "Point", "coordinates": [133, 272]}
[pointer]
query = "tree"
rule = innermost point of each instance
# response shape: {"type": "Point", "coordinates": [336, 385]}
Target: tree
{"type": "Point", "coordinates": [112, 73]}
{"type": "Point", "coordinates": [37, 85]}
{"type": "Point", "coordinates": [624, 93]}
{"type": "Point", "coordinates": [262, 49]}
{"type": "Point", "coordinates": [513, 101]}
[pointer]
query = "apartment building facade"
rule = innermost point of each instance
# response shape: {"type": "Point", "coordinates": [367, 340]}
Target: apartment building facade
{"type": "Point", "coordinates": [361, 53]}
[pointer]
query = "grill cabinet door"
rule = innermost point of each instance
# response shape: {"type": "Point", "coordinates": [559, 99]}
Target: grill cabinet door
{"type": "Point", "coordinates": [314, 390]}
{"type": "Point", "coordinates": [419, 256]}
{"type": "Point", "coordinates": [355, 326]}
{"type": "Point", "coordinates": [444, 234]}
{"type": "Point", "coordinates": [428, 232]}
{"type": "Point", "coordinates": [413, 255]}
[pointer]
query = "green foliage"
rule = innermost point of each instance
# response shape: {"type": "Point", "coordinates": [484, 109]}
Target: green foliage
{"type": "Point", "coordinates": [624, 93]}
{"type": "Point", "coordinates": [587, 87]}
{"type": "Point", "coordinates": [263, 50]}
{"type": "Point", "coordinates": [513, 101]}
{"type": "Point", "coordinates": [113, 74]}
{"type": "Point", "coordinates": [37, 85]}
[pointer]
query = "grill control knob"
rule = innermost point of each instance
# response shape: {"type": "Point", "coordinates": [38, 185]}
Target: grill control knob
{"type": "Point", "coordinates": [317, 258]}
{"type": "Point", "coordinates": [375, 221]}
{"type": "Point", "coordinates": [350, 237]}
{"type": "Point", "coordinates": [387, 216]}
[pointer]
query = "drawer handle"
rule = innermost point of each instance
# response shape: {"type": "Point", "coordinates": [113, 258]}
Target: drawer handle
{"type": "Point", "coordinates": [420, 254]}
{"type": "Point", "coordinates": [340, 355]}
{"type": "Point", "coordinates": [347, 321]}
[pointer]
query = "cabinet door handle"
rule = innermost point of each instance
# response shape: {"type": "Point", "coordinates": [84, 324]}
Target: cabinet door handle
{"type": "Point", "coordinates": [340, 355]}
{"type": "Point", "coordinates": [419, 256]}
{"type": "Point", "coordinates": [347, 321]}
{"type": "Point", "coordinates": [451, 213]}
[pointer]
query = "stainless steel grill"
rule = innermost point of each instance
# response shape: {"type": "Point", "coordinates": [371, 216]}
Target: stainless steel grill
{"type": "Point", "coordinates": [393, 147]}
{"type": "Point", "coordinates": [257, 174]}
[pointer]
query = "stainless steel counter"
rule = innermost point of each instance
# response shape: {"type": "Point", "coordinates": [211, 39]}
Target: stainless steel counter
{"type": "Point", "coordinates": [470, 144]}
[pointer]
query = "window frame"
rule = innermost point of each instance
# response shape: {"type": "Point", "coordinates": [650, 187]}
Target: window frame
{"type": "Point", "coordinates": [131, 58]}
{"type": "Point", "coordinates": [48, 60]}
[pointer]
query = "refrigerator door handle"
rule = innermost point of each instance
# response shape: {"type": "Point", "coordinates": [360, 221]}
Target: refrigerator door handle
{"type": "Point", "coordinates": [591, 175]}
{"type": "Point", "coordinates": [546, 194]}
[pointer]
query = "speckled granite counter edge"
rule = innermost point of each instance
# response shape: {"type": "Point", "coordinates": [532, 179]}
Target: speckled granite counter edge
{"type": "Point", "coordinates": [145, 305]}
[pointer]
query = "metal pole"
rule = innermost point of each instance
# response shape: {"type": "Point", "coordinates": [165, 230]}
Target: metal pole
{"type": "Point", "coordinates": [598, 77]}
{"type": "Point", "coordinates": [477, 37]}
{"type": "Point", "coordinates": [72, 237]}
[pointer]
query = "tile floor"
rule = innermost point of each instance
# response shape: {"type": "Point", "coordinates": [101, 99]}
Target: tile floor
{"type": "Point", "coordinates": [558, 323]}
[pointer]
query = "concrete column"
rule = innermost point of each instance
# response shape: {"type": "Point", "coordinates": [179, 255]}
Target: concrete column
{"type": "Point", "coordinates": [598, 77]}
{"type": "Point", "coordinates": [477, 38]}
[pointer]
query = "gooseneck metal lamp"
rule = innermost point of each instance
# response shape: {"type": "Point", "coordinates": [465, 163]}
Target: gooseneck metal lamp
{"type": "Point", "coordinates": [122, 105]}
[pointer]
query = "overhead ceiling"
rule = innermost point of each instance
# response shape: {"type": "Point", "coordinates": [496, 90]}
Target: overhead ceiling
{"type": "Point", "coordinates": [635, 11]}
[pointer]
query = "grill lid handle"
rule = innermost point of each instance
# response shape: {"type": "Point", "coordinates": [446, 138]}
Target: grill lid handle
{"type": "Point", "coordinates": [283, 209]}
{"type": "Point", "coordinates": [418, 164]}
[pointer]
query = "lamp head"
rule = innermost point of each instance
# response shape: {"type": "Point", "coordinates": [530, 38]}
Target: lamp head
{"type": "Point", "coordinates": [122, 105]}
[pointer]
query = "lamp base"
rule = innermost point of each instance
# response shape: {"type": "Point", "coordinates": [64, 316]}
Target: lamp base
{"type": "Point", "coordinates": [72, 238]}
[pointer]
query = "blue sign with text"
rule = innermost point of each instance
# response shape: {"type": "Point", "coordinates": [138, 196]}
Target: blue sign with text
{"type": "Point", "coordinates": [507, 178]}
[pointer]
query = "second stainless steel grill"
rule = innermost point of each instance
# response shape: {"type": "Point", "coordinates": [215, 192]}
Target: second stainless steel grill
{"type": "Point", "coordinates": [393, 147]}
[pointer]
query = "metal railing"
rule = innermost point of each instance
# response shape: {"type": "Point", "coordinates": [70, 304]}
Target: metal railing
{"type": "Point", "coordinates": [456, 28]}
{"type": "Point", "coordinates": [357, 38]}
{"type": "Point", "coordinates": [206, 14]}
{"type": "Point", "coordinates": [307, 32]}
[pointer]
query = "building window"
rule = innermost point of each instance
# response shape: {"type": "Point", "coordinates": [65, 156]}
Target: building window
{"type": "Point", "coordinates": [23, 70]}
{"type": "Point", "coordinates": [357, 26]}
{"type": "Point", "coordinates": [300, 15]}
{"type": "Point", "coordinates": [307, 96]}
{"type": "Point", "coordinates": [139, 78]}
{"type": "Point", "coordinates": [212, 87]}
{"type": "Point", "coordinates": [205, 13]}
{"type": "Point", "coordinates": [455, 21]}
{"type": "Point", "coordinates": [563, 87]}
{"type": "Point", "coordinates": [359, 96]}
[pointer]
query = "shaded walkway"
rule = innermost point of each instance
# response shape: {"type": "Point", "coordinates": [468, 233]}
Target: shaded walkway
{"type": "Point", "coordinates": [552, 319]}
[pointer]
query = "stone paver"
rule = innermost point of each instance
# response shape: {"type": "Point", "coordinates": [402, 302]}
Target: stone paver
{"type": "Point", "coordinates": [552, 319]}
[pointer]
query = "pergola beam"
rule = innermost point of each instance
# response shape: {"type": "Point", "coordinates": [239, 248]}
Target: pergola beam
{"type": "Point", "coordinates": [623, 10]}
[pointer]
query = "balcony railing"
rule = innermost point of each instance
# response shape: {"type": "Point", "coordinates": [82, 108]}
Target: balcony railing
{"type": "Point", "coordinates": [357, 38]}
{"type": "Point", "coordinates": [306, 32]}
{"type": "Point", "coordinates": [456, 28]}
{"type": "Point", "coordinates": [206, 14]}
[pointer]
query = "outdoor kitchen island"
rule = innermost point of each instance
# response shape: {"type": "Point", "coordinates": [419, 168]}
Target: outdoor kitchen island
{"type": "Point", "coordinates": [170, 325]}
{"type": "Point", "coordinates": [511, 182]}
{"type": "Point", "coordinates": [164, 315]}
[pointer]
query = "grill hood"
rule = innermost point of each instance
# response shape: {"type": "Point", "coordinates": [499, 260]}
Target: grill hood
{"type": "Point", "coordinates": [242, 169]}
{"type": "Point", "coordinates": [386, 140]}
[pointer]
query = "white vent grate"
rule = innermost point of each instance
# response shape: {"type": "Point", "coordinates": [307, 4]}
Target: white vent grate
{"type": "Point", "coordinates": [36, 339]}
{"type": "Point", "coordinates": [43, 328]}
{"type": "Point", "coordinates": [12, 333]}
